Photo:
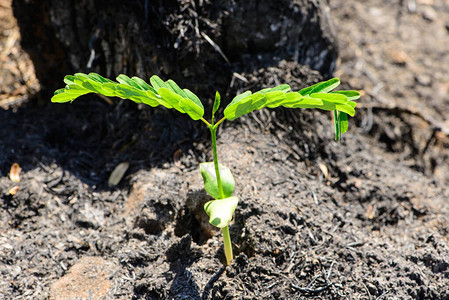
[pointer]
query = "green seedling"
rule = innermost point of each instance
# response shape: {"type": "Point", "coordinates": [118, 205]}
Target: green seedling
{"type": "Point", "coordinates": [218, 180]}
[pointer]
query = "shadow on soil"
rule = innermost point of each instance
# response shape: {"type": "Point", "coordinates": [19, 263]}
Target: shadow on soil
{"type": "Point", "coordinates": [90, 137]}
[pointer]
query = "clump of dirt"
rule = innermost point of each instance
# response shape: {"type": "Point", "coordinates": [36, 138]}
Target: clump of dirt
{"type": "Point", "coordinates": [362, 219]}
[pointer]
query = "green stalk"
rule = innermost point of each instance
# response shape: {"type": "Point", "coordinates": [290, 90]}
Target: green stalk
{"type": "Point", "coordinates": [225, 230]}
{"type": "Point", "coordinates": [337, 125]}
{"type": "Point", "coordinates": [227, 244]}
{"type": "Point", "coordinates": [213, 132]}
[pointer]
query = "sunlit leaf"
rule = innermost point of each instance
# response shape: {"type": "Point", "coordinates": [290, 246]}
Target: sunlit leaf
{"type": "Point", "coordinates": [125, 80]}
{"type": "Point", "coordinates": [171, 97]}
{"type": "Point", "coordinates": [350, 94]}
{"type": "Point", "coordinates": [334, 98]}
{"type": "Point", "coordinates": [210, 180]}
{"type": "Point", "coordinates": [157, 83]}
{"type": "Point", "coordinates": [307, 102]}
{"type": "Point", "coordinates": [337, 126]}
{"type": "Point", "coordinates": [193, 110]}
{"type": "Point", "coordinates": [346, 108]}
{"type": "Point", "coordinates": [220, 211]}
{"type": "Point", "coordinates": [326, 86]}
{"type": "Point", "coordinates": [194, 98]}
{"type": "Point", "coordinates": [69, 79]}
{"type": "Point", "coordinates": [274, 98]}
{"type": "Point", "coordinates": [282, 88]}
{"type": "Point", "coordinates": [293, 99]}
{"type": "Point", "coordinates": [216, 103]}
{"type": "Point", "coordinates": [175, 88]}
{"type": "Point", "coordinates": [143, 85]}
{"type": "Point", "coordinates": [167, 94]}
{"type": "Point", "coordinates": [352, 103]}
{"type": "Point", "coordinates": [343, 122]}
{"type": "Point", "coordinates": [99, 78]}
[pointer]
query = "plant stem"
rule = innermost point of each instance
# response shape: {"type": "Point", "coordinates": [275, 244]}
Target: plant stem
{"type": "Point", "coordinates": [219, 122]}
{"type": "Point", "coordinates": [225, 230]}
{"type": "Point", "coordinates": [213, 132]}
{"type": "Point", "coordinates": [227, 244]}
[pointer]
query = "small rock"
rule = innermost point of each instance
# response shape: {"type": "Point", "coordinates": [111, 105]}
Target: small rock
{"type": "Point", "coordinates": [87, 279]}
{"type": "Point", "coordinates": [423, 79]}
{"type": "Point", "coordinates": [428, 13]}
{"type": "Point", "coordinates": [372, 289]}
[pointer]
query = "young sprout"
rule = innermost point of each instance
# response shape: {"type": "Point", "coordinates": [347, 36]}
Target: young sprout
{"type": "Point", "coordinates": [218, 180]}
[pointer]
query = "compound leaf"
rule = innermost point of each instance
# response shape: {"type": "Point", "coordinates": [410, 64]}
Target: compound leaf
{"type": "Point", "coordinates": [167, 94]}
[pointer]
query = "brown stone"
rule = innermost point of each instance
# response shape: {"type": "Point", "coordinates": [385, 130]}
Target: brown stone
{"type": "Point", "coordinates": [87, 279]}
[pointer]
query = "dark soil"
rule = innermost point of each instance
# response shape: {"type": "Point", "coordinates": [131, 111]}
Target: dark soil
{"type": "Point", "coordinates": [366, 218]}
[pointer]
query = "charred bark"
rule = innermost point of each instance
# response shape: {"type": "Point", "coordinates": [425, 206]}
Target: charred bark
{"type": "Point", "coordinates": [201, 42]}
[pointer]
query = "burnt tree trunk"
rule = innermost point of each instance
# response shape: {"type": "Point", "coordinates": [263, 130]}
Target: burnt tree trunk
{"type": "Point", "coordinates": [200, 43]}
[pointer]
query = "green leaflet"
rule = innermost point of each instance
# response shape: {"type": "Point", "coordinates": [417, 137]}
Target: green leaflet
{"type": "Point", "coordinates": [210, 180]}
{"type": "Point", "coordinates": [125, 80]}
{"type": "Point", "coordinates": [167, 94]}
{"type": "Point", "coordinates": [193, 110]}
{"type": "Point", "coordinates": [157, 83]}
{"type": "Point", "coordinates": [340, 123]}
{"type": "Point", "coordinates": [350, 94]}
{"type": "Point", "coordinates": [216, 103]}
{"type": "Point", "coordinates": [326, 86]}
{"type": "Point", "coordinates": [346, 108]}
{"type": "Point", "coordinates": [343, 118]}
{"type": "Point", "coordinates": [283, 88]}
{"type": "Point", "coordinates": [321, 87]}
{"type": "Point", "coordinates": [175, 88]}
{"type": "Point", "coordinates": [307, 102]}
{"type": "Point", "coordinates": [248, 102]}
{"type": "Point", "coordinates": [238, 98]}
{"type": "Point", "coordinates": [220, 211]}
{"type": "Point", "coordinates": [334, 98]}
{"type": "Point", "coordinates": [143, 85]}
{"type": "Point", "coordinates": [337, 126]}
{"type": "Point", "coordinates": [171, 97]}
{"type": "Point", "coordinates": [194, 98]}
{"type": "Point", "coordinates": [274, 98]}
{"type": "Point", "coordinates": [68, 94]}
